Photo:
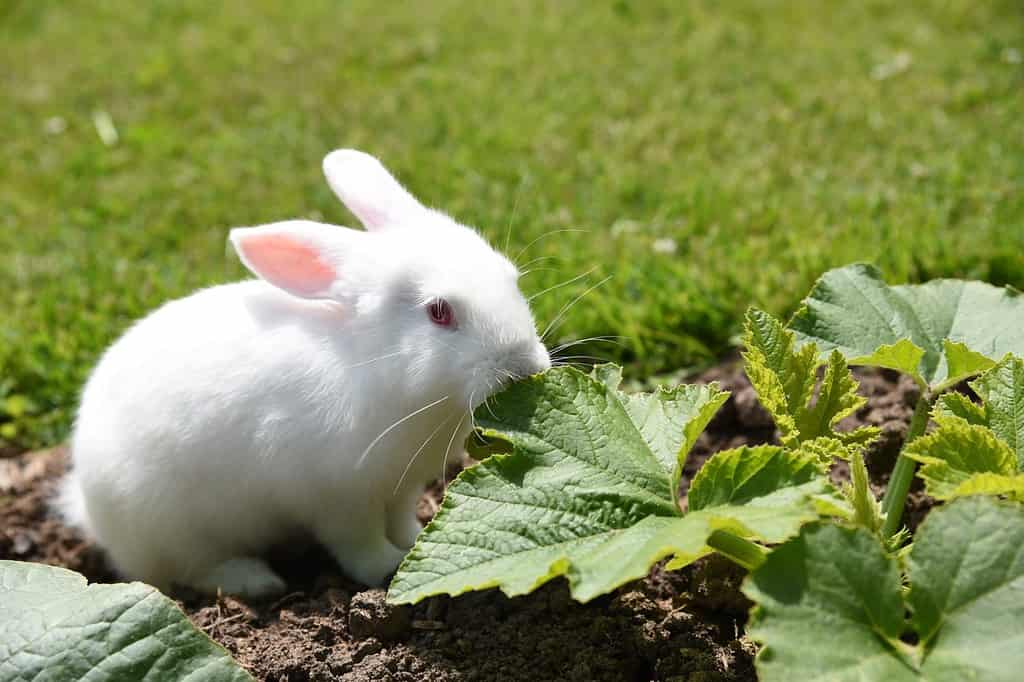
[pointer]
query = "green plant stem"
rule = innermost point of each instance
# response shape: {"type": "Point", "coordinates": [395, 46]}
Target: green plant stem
{"type": "Point", "coordinates": [739, 550]}
{"type": "Point", "coordinates": [903, 472]}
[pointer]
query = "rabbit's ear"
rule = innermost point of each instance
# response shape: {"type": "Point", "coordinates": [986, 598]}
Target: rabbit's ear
{"type": "Point", "coordinates": [369, 190]}
{"type": "Point", "coordinates": [298, 256]}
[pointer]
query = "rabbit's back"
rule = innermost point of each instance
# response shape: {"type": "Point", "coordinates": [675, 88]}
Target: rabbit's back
{"type": "Point", "coordinates": [208, 404]}
{"type": "Point", "coordinates": [225, 360]}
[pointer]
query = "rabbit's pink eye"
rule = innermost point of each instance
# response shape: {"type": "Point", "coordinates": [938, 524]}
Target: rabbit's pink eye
{"type": "Point", "coordinates": [441, 313]}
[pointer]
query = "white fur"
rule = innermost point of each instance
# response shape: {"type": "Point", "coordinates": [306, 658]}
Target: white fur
{"type": "Point", "coordinates": [243, 415]}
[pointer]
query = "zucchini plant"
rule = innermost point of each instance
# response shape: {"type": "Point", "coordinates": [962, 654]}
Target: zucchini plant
{"type": "Point", "coordinates": [939, 333]}
{"type": "Point", "coordinates": [965, 571]}
{"type": "Point", "coordinates": [584, 483]}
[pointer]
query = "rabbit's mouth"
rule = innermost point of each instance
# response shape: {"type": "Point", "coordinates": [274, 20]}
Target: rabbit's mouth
{"type": "Point", "coordinates": [501, 378]}
{"type": "Point", "coordinates": [487, 386]}
{"type": "Point", "coordinates": [517, 362]}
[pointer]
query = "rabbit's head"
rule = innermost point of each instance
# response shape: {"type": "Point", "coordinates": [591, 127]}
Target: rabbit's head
{"type": "Point", "coordinates": [429, 300]}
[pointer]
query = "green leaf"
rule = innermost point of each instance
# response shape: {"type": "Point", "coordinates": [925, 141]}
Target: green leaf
{"type": "Point", "coordinates": [54, 625]}
{"type": "Point", "coordinates": [977, 449]}
{"type": "Point", "coordinates": [959, 406]}
{"type": "Point", "coordinates": [837, 398]}
{"type": "Point", "coordinates": [784, 376]}
{"type": "Point", "coordinates": [867, 511]}
{"type": "Point", "coordinates": [828, 608]}
{"type": "Point", "coordinates": [670, 421]}
{"type": "Point", "coordinates": [747, 474]}
{"type": "Point", "coordinates": [1002, 392]}
{"type": "Point", "coordinates": [967, 573]}
{"type": "Point", "coordinates": [852, 310]}
{"type": "Point", "coordinates": [589, 492]}
{"type": "Point", "coordinates": [902, 356]}
{"type": "Point", "coordinates": [965, 459]}
{"type": "Point", "coordinates": [825, 449]}
{"type": "Point", "coordinates": [829, 603]}
{"type": "Point", "coordinates": [962, 363]}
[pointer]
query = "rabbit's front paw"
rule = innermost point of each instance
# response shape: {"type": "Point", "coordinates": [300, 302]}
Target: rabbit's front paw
{"type": "Point", "coordinates": [403, 527]}
{"type": "Point", "coordinates": [370, 564]}
{"type": "Point", "coordinates": [244, 576]}
{"type": "Point", "coordinates": [404, 531]}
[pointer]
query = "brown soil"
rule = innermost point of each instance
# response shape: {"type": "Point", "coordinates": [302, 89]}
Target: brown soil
{"type": "Point", "coordinates": [685, 625]}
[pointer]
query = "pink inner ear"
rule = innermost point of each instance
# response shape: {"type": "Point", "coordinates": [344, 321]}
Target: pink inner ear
{"type": "Point", "coordinates": [289, 264]}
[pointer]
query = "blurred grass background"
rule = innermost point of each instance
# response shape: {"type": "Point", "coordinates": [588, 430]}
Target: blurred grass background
{"type": "Point", "coordinates": [717, 155]}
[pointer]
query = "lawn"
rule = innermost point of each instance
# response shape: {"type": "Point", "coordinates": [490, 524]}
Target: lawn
{"type": "Point", "coordinates": [705, 155]}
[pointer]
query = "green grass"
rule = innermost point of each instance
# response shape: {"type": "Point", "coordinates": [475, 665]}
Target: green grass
{"type": "Point", "coordinates": [768, 140]}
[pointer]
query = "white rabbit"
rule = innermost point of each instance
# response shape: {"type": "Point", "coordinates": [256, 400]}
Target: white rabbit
{"type": "Point", "coordinates": [318, 399]}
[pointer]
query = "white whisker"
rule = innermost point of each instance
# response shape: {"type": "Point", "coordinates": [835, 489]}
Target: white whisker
{"type": "Point", "coordinates": [487, 404]}
{"type": "Point", "coordinates": [444, 463]}
{"type": "Point", "coordinates": [537, 260]}
{"type": "Point", "coordinates": [565, 309]}
{"type": "Point", "coordinates": [362, 457]}
{"type": "Point", "coordinates": [373, 360]}
{"type": "Point", "coordinates": [545, 236]}
{"type": "Point", "coordinates": [417, 454]}
{"type": "Point", "coordinates": [472, 408]}
{"type": "Point", "coordinates": [578, 365]}
{"type": "Point", "coordinates": [524, 273]}
{"type": "Point", "coordinates": [591, 339]}
{"type": "Point", "coordinates": [562, 284]}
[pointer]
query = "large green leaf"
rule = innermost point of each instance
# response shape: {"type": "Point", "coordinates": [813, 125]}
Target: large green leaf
{"type": "Point", "coordinates": [828, 608]}
{"type": "Point", "coordinates": [967, 591]}
{"type": "Point", "coordinates": [54, 626]}
{"type": "Point", "coordinates": [589, 491]}
{"type": "Point", "coordinates": [977, 449]}
{"type": "Point", "coordinates": [959, 327]}
{"type": "Point", "coordinates": [829, 603]}
{"type": "Point", "coordinates": [784, 377]}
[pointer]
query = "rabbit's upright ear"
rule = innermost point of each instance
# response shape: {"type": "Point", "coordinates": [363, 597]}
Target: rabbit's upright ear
{"type": "Point", "coordinates": [301, 257]}
{"type": "Point", "coordinates": [369, 190]}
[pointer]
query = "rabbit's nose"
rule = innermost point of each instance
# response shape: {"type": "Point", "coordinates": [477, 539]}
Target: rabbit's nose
{"type": "Point", "coordinates": [539, 360]}
{"type": "Point", "coordinates": [535, 360]}
{"type": "Point", "coordinates": [527, 358]}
